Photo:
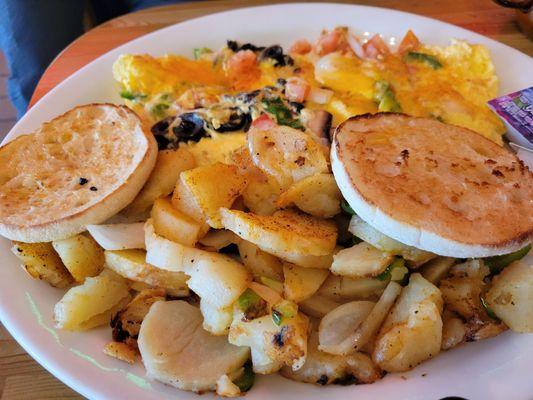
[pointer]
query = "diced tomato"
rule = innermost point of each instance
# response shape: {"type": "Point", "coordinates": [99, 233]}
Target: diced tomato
{"type": "Point", "coordinates": [242, 61]}
{"type": "Point", "coordinates": [263, 123]}
{"type": "Point", "coordinates": [375, 46]}
{"type": "Point", "coordinates": [301, 46]}
{"type": "Point", "coordinates": [409, 43]}
{"type": "Point", "coordinates": [331, 41]}
{"type": "Point", "coordinates": [296, 89]}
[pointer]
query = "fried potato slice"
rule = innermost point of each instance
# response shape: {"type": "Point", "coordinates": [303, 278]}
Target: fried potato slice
{"type": "Point", "coordinates": [342, 288]}
{"type": "Point", "coordinates": [286, 154]}
{"type": "Point", "coordinates": [168, 166]}
{"type": "Point", "coordinates": [93, 303]}
{"type": "Point", "coordinates": [300, 282]}
{"type": "Point", "coordinates": [81, 255]}
{"type": "Point", "coordinates": [120, 351]}
{"type": "Point", "coordinates": [260, 263]}
{"type": "Point", "coordinates": [42, 262]}
{"type": "Point", "coordinates": [131, 264]}
{"type": "Point", "coordinates": [173, 224]}
{"type": "Point", "coordinates": [317, 195]}
{"type": "Point", "coordinates": [361, 260]}
{"type": "Point", "coordinates": [283, 232]}
{"type": "Point", "coordinates": [212, 187]}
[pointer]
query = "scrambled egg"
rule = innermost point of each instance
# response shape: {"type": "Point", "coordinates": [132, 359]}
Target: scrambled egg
{"type": "Point", "coordinates": [456, 92]}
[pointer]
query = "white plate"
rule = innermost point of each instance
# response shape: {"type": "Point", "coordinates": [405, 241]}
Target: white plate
{"type": "Point", "coordinates": [492, 369]}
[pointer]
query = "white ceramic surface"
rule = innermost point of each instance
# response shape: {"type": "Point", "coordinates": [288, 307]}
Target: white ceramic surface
{"type": "Point", "coordinates": [495, 369]}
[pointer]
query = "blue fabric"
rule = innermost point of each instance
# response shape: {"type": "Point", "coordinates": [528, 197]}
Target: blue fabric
{"type": "Point", "coordinates": [33, 33]}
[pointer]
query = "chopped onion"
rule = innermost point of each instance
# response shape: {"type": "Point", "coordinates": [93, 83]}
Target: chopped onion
{"type": "Point", "coordinates": [356, 46]}
{"type": "Point", "coordinates": [118, 236]}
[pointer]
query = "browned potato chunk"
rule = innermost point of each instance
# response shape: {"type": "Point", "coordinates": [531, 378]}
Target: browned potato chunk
{"type": "Point", "coordinates": [81, 255]}
{"type": "Point", "coordinates": [361, 260]}
{"type": "Point", "coordinates": [120, 351]}
{"type": "Point", "coordinates": [169, 165]}
{"type": "Point", "coordinates": [42, 262]}
{"type": "Point", "coordinates": [300, 282]}
{"type": "Point", "coordinates": [174, 225]}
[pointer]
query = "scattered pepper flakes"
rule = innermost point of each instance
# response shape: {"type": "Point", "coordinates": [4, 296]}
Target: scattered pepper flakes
{"type": "Point", "coordinates": [83, 181]}
{"type": "Point", "coordinates": [93, 188]}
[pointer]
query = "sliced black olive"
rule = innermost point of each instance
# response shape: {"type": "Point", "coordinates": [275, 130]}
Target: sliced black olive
{"type": "Point", "coordinates": [248, 96]}
{"type": "Point", "coordinates": [233, 45]}
{"type": "Point", "coordinates": [249, 46]}
{"type": "Point", "coordinates": [281, 82]}
{"type": "Point", "coordinates": [236, 122]}
{"type": "Point", "coordinates": [162, 142]}
{"type": "Point", "coordinates": [190, 127]}
{"type": "Point", "coordinates": [161, 127]}
{"type": "Point", "coordinates": [276, 53]}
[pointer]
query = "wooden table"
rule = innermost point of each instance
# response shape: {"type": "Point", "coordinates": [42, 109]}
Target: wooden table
{"type": "Point", "coordinates": [23, 378]}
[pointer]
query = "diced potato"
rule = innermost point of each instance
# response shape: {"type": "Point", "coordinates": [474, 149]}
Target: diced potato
{"type": "Point", "coordinates": [317, 195]}
{"type": "Point", "coordinates": [216, 320]}
{"type": "Point", "coordinates": [338, 325]}
{"type": "Point", "coordinates": [317, 306]}
{"type": "Point", "coordinates": [184, 201]}
{"type": "Point", "coordinates": [42, 262]}
{"type": "Point", "coordinates": [213, 187]}
{"type": "Point", "coordinates": [217, 279]}
{"type": "Point", "coordinates": [300, 282]}
{"type": "Point", "coordinates": [81, 255]}
{"type": "Point", "coordinates": [164, 253]}
{"type": "Point", "coordinates": [342, 288]}
{"type": "Point", "coordinates": [383, 242]}
{"type": "Point", "coordinates": [118, 236]}
{"type": "Point", "coordinates": [453, 330]}
{"type": "Point", "coordinates": [283, 232]}
{"type": "Point", "coordinates": [131, 264]}
{"type": "Point", "coordinates": [173, 224]}
{"type": "Point", "coordinates": [126, 323]}
{"type": "Point", "coordinates": [412, 331]}
{"type": "Point", "coordinates": [169, 165]}
{"type": "Point", "coordinates": [272, 345]}
{"type": "Point", "coordinates": [91, 304]}
{"type": "Point", "coordinates": [436, 269]}
{"type": "Point", "coordinates": [308, 261]}
{"type": "Point", "coordinates": [226, 387]}
{"type": "Point", "coordinates": [511, 296]}
{"type": "Point", "coordinates": [120, 351]}
{"type": "Point", "coordinates": [361, 260]}
{"type": "Point", "coordinates": [286, 154]}
{"type": "Point", "coordinates": [259, 262]}
{"type": "Point", "coordinates": [323, 368]}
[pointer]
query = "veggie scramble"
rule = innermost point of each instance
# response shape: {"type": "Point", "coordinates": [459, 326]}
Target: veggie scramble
{"type": "Point", "coordinates": [240, 256]}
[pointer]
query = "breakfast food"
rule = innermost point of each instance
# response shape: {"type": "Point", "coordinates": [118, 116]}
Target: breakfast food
{"type": "Point", "coordinates": [80, 168]}
{"type": "Point", "coordinates": [434, 186]}
{"type": "Point", "coordinates": [248, 250]}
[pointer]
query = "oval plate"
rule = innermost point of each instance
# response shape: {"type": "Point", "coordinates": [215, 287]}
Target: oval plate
{"type": "Point", "coordinates": [492, 369]}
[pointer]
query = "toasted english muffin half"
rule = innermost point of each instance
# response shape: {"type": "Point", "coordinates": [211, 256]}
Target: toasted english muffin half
{"type": "Point", "coordinates": [80, 168]}
{"type": "Point", "coordinates": [437, 187]}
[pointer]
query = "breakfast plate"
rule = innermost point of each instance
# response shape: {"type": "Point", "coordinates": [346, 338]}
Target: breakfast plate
{"type": "Point", "coordinates": [491, 369]}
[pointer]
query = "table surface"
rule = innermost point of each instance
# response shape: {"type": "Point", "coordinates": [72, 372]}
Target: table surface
{"type": "Point", "coordinates": [20, 376]}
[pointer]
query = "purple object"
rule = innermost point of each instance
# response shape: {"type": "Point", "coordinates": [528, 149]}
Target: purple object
{"type": "Point", "coordinates": [516, 111]}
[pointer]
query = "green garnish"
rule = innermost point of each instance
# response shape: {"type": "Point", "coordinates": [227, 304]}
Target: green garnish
{"type": "Point", "coordinates": [272, 284]}
{"type": "Point", "coordinates": [200, 51]}
{"type": "Point", "coordinates": [283, 115]}
{"type": "Point", "coordinates": [277, 317]}
{"type": "Point", "coordinates": [489, 310]}
{"type": "Point", "coordinates": [498, 263]}
{"type": "Point", "coordinates": [428, 59]}
{"type": "Point", "coordinates": [284, 309]}
{"type": "Point", "coordinates": [158, 110]}
{"type": "Point", "coordinates": [396, 271]}
{"type": "Point", "coordinates": [346, 208]}
{"type": "Point", "coordinates": [246, 380]}
{"type": "Point", "coordinates": [126, 94]}
{"type": "Point", "coordinates": [248, 300]}
{"type": "Point", "coordinates": [385, 98]}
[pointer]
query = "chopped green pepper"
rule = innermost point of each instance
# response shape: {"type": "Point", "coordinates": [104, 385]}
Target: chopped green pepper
{"type": "Point", "coordinates": [158, 110]}
{"type": "Point", "coordinates": [430, 60]}
{"type": "Point", "coordinates": [272, 284]}
{"type": "Point", "coordinates": [246, 380]}
{"type": "Point", "coordinates": [498, 263]}
{"type": "Point", "coordinates": [284, 309]}
{"type": "Point", "coordinates": [200, 51]}
{"type": "Point", "coordinates": [385, 98]}
{"type": "Point", "coordinates": [396, 271]}
{"type": "Point", "coordinates": [126, 94]}
{"type": "Point", "coordinates": [282, 113]}
{"type": "Point", "coordinates": [277, 317]}
{"type": "Point", "coordinates": [248, 300]}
